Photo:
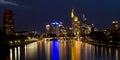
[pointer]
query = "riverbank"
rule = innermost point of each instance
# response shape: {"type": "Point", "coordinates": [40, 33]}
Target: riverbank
{"type": "Point", "coordinates": [90, 41]}
{"type": "Point", "coordinates": [12, 45]}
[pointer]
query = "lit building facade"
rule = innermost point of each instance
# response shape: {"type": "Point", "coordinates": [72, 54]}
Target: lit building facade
{"type": "Point", "coordinates": [84, 20]}
{"type": "Point", "coordinates": [115, 25]}
{"type": "Point", "coordinates": [75, 24]}
{"type": "Point", "coordinates": [55, 28]}
{"type": "Point", "coordinates": [82, 28]}
{"type": "Point", "coordinates": [48, 29]}
{"type": "Point", "coordinates": [8, 22]}
{"type": "Point", "coordinates": [85, 27]}
{"type": "Point", "coordinates": [62, 30]}
{"type": "Point", "coordinates": [52, 28]}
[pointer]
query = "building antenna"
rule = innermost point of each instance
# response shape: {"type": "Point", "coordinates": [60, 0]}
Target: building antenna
{"type": "Point", "coordinates": [83, 13]}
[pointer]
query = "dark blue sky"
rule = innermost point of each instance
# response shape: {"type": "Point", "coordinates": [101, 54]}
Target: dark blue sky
{"type": "Point", "coordinates": [30, 13]}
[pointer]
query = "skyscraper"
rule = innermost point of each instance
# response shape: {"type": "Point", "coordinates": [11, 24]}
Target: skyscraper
{"type": "Point", "coordinates": [85, 27]}
{"type": "Point", "coordinates": [84, 19]}
{"type": "Point", "coordinates": [48, 29]}
{"type": "Point", "coordinates": [75, 24]}
{"type": "Point", "coordinates": [115, 25]}
{"type": "Point", "coordinates": [55, 28]}
{"type": "Point", "coordinates": [8, 22]}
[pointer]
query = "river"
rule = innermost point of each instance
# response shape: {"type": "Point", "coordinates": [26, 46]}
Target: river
{"type": "Point", "coordinates": [62, 50]}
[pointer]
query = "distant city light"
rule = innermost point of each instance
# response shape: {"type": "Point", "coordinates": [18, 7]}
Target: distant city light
{"type": "Point", "coordinates": [55, 23]}
{"type": "Point", "coordinates": [11, 42]}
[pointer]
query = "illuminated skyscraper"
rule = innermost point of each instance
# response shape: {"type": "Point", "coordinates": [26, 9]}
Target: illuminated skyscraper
{"type": "Point", "coordinates": [84, 20]}
{"type": "Point", "coordinates": [61, 29]}
{"type": "Point", "coordinates": [55, 28]}
{"type": "Point", "coordinates": [115, 25]}
{"type": "Point", "coordinates": [75, 24]}
{"type": "Point", "coordinates": [8, 22]}
{"type": "Point", "coordinates": [48, 29]}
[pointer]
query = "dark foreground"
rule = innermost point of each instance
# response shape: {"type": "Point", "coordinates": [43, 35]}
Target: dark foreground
{"type": "Point", "coordinates": [61, 50]}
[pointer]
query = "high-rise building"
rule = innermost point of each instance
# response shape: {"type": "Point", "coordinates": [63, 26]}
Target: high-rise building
{"type": "Point", "coordinates": [84, 20]}
{"type": "Point", "coordinates": [115, 25]}
{"type": "Point", "coordinates": [75, 24]}
{"type": "Point", "coordinates": [48, 29]}
{"type": "Point", "coordinates": [8, 22]}
{"type": "Point", "coordinates": [85, 27]}
{"type": "Point", "coordinates": [61, 29]}
{"type": "Point", "coordinates": [55, 28]}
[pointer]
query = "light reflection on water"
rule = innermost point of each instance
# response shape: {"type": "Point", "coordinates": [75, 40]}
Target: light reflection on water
{"type": "Point", "coordinates": [63, 50]}
{"type": "Point", "coordinates": [55, 50]}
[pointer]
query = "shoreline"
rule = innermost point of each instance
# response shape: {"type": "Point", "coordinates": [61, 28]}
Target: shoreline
{"type": "Point", "coordinates": [20, 44]}
{"type": "Point", "coordinates": [101, 44]}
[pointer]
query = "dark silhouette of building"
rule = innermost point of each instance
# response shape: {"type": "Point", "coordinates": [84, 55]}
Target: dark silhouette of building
{"type": "Point", "coordinates": [8, 22]}
{"type": "Point", "coordinates": [0, 28]}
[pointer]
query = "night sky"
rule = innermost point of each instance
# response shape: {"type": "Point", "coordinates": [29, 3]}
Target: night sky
{"type": "Point", "coordinates": [37, 13]}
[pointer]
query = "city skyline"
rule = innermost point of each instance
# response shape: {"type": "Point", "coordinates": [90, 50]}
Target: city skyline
{"type": "Point", "coordinates": [101, 13]}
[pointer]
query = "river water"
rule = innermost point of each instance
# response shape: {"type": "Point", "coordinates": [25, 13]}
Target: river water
{"type": "Point", "coordinates": [63, 50]}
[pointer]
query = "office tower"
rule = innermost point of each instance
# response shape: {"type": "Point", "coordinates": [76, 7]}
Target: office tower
{"type": "Point", "coordinates": [48, 29]}
{"type": "Point", "coordinates": [75, 24]}
{"type": "Point", "coordinates": [55, 28]}
{"type": "Point", "coordinates": [115, 25]}
{"type": "Point", "coordinates": [84, 20]}
{"type": "Point", "coordinates": [8, 22]}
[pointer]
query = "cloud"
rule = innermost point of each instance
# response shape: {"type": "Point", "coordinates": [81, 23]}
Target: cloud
{"type": "Point", "coordinates": [8, 2]}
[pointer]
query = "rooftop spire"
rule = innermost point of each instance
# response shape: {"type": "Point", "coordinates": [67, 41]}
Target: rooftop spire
{"type": "Point", "coordinates": [72, 13]}
{"type": "Point", "coordinates": [83, 15]}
